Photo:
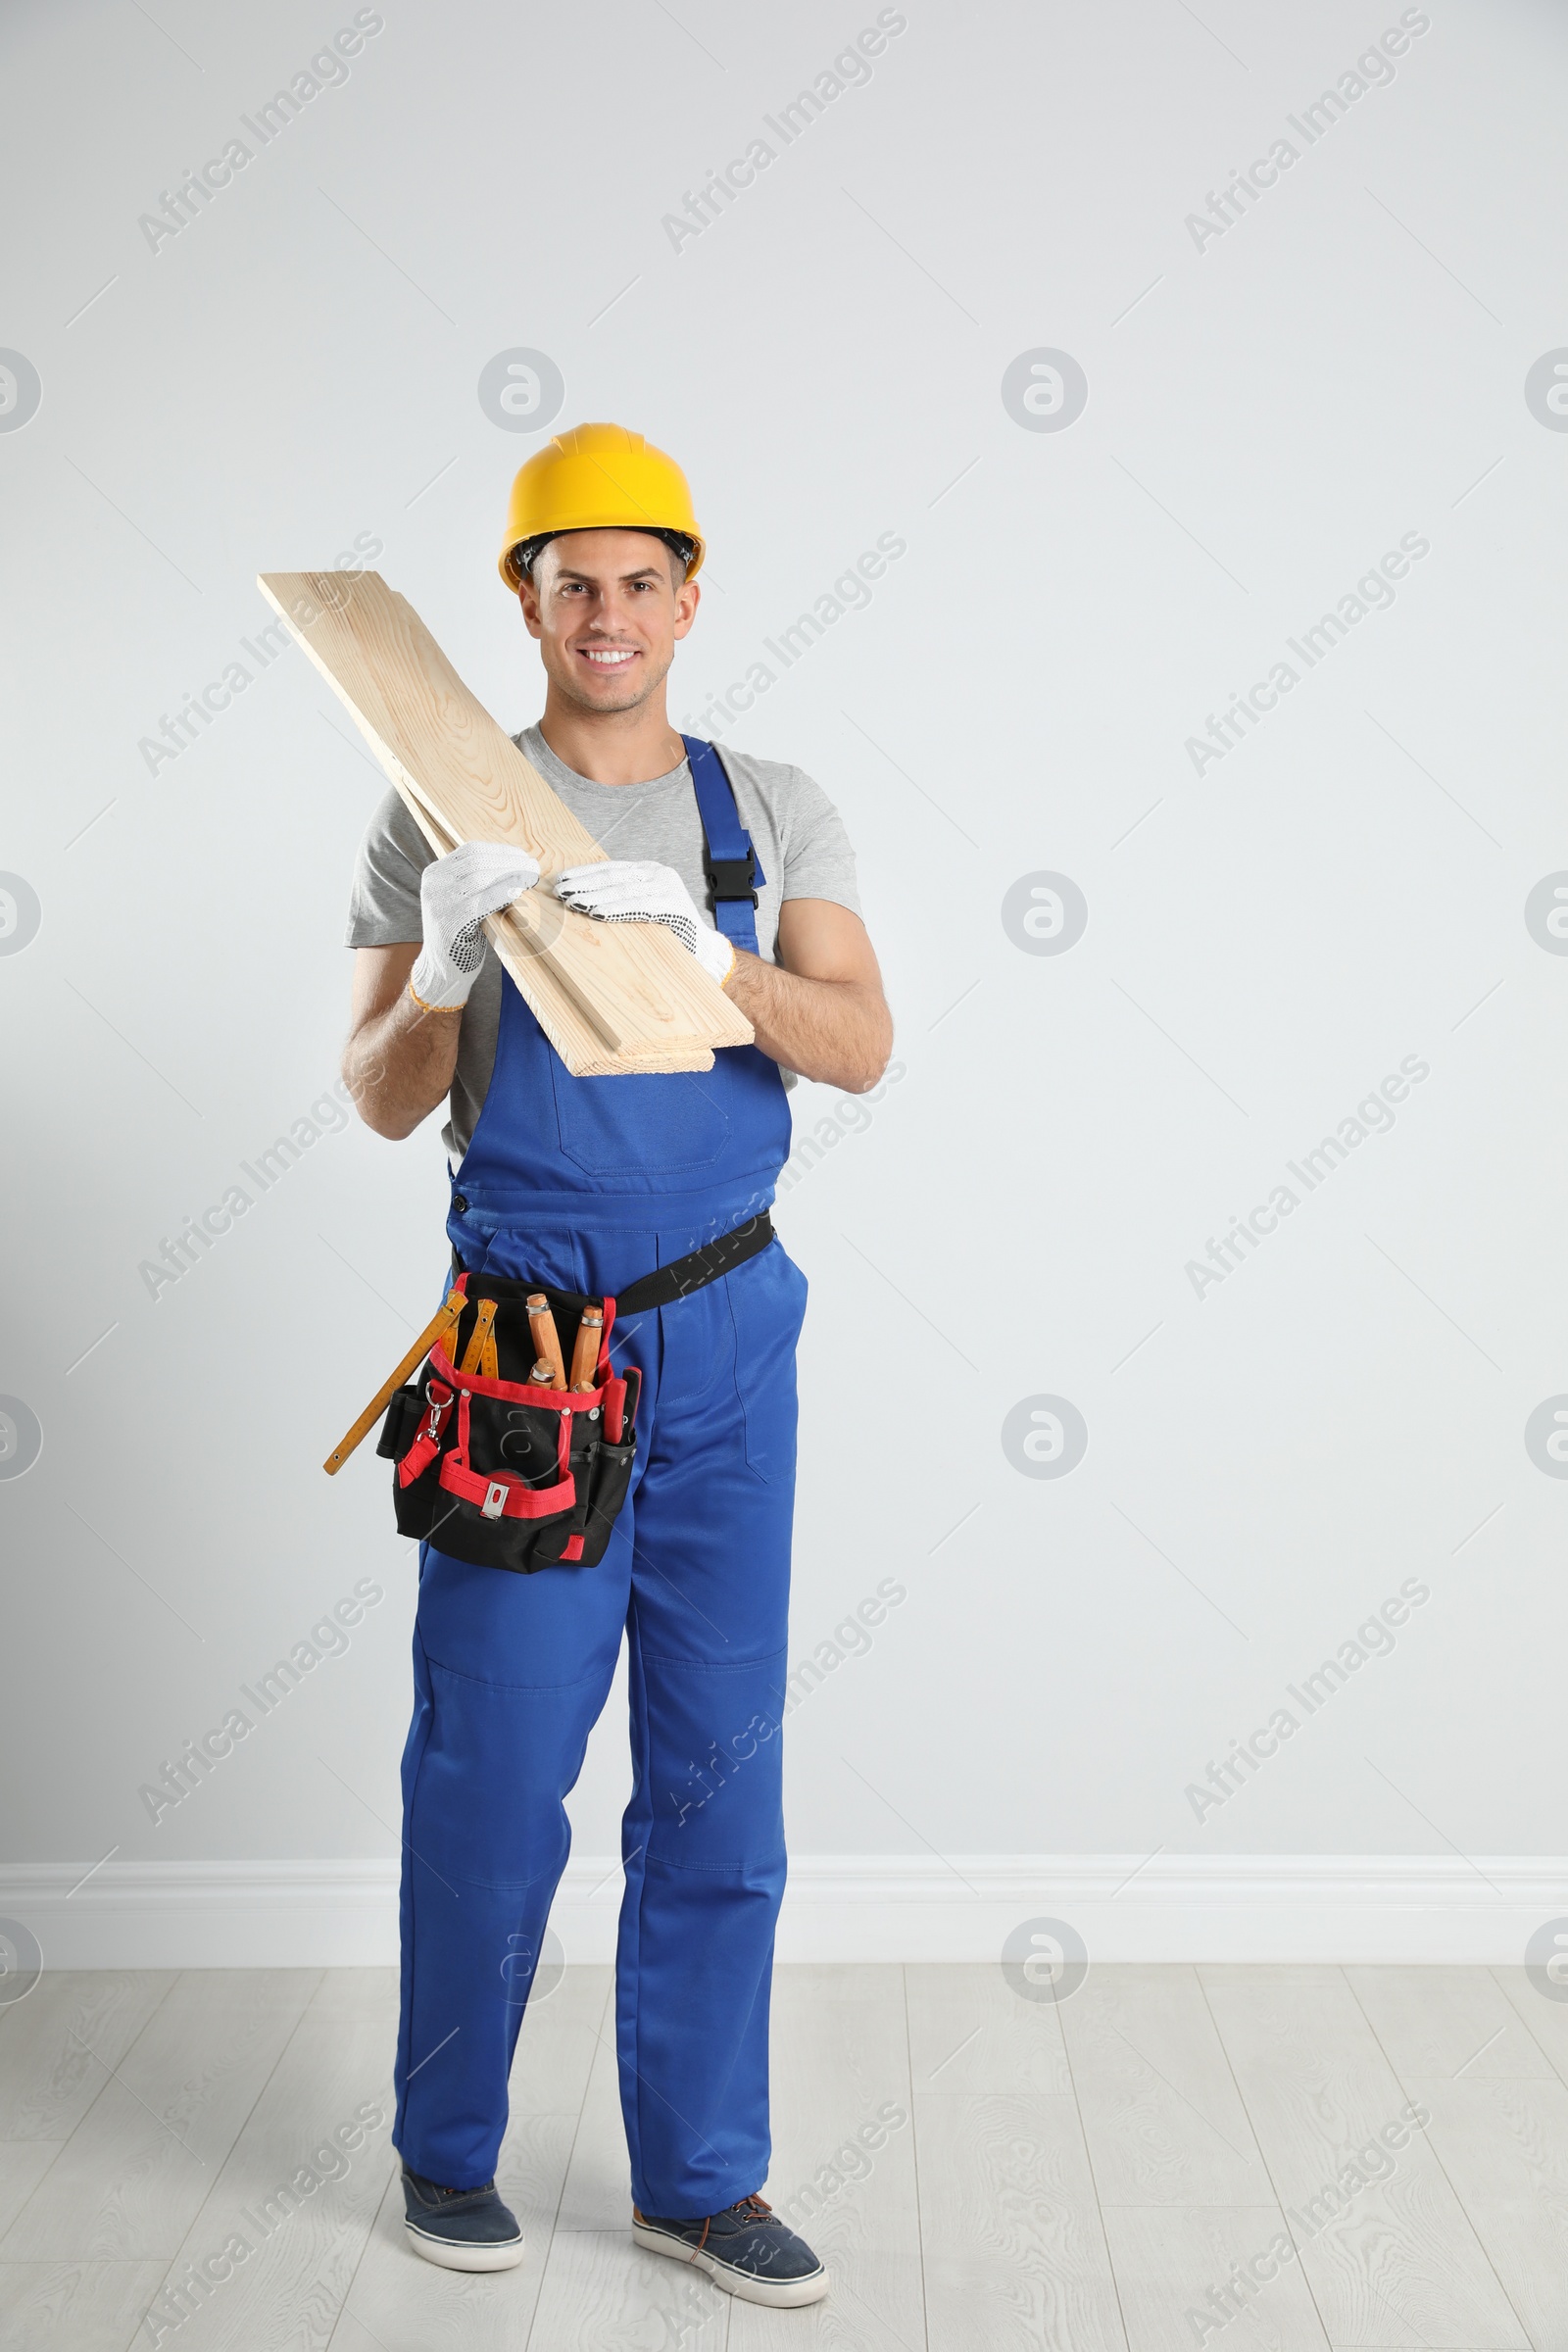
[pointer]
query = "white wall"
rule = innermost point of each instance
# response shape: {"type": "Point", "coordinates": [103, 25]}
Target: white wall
{"type": "Point", "coordinates": [1269, 411]}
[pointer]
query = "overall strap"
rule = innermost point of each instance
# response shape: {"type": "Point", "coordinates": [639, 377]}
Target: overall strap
{"type": "Point", "coordinates": [733, 873]}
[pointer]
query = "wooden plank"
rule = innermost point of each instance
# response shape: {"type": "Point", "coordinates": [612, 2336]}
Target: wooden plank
{"type": "Point", "coordinates": [969, 2031]}
{"type": "Point", "coordinates": [138, 2164]}
{"type": "Point", "coordinates": [22, 2165]}
{"type": "Point", "coordinates": [597, 2194]}
{"type": "Point", "coordinates": [358, 1994]}
{"type": "Point", "coordinates": [555, 1007]}
{"type": "Point", "coordinates": [1168, 2258]}
{"type": "Point", "coordinates": [1163, 2116]}
{"type": "Point", "coordinates": [1388, 2257]}
{"type": "Point", "coordinates": [1545, 2021]}
{"type": "Point", "coordinates": [559, 2037]}
{"type": "Point", "coordinates": [875, 2304]}
{"type": "Point", "coordinates": [611, 996]}
{"type": "Point", "coordinates": [1015, 2255]}
{"type": "Point", "coordinates": [1504, 2146]}
{"type": "Point", "coordinates": [406, 2304]}
{"type": "Point", "coordinates": [302, 2204]}
{"type": "Point", "coordinates": [843, 2168]}
{"type": "Point", "coordinates": [1446, 2020]}
{"type": "Point", "coordinates": [57, 2047]}
{"type": "Point", "coordinates": [601, 2293]}
{"type": "Point", "coordinates": [75, 2306]}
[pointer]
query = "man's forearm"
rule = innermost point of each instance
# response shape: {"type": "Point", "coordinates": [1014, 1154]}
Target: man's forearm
{"type": "Point", "coordinates": [397, 1064]}
{"type": "Point", "coordinates": [835, 1031]}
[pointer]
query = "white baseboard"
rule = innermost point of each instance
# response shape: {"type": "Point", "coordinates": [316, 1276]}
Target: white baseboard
{"type": "Point", "coordinates": [1241, 1907]}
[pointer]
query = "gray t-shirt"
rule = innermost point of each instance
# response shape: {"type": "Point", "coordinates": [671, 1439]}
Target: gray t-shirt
{"type": "Point", "coordinates": [799, 836]}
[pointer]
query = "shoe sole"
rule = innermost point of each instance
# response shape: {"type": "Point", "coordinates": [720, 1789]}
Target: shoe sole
{"type": "Point", "coordinates": [782, 2295]}
{"type": "Point", "coordinates": [453, 2255]}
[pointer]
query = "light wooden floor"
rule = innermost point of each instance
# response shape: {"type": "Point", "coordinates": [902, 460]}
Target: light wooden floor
{"type": "Point", "coordinates": [1076, 2179]}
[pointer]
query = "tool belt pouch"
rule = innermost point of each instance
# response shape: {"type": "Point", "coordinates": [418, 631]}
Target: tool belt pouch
{"type": "Point", "coordinates": [494, 1470]}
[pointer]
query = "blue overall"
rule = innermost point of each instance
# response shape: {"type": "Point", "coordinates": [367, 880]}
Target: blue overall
{"type": "Point", "coordinates": [586, 1184]}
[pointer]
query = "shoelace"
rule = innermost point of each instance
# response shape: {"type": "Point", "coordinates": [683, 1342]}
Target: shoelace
{"type": "Point", "coordinates": [755, 2208]}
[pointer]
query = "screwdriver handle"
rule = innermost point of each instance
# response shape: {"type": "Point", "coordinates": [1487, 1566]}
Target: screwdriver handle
{"type": "Point", "coordinates": [585, 1353]}
{"type": "Point", "coordinates": [546, 1338]}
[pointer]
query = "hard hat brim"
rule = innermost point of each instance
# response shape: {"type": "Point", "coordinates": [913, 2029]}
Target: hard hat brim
{"type": "Point", "coordinates": [515, 572]}
{"type": "Point", "coordinates": [597, 477]}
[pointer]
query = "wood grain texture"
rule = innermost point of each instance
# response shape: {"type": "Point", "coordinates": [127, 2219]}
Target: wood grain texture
{"type": "Point", "coordinates": [357, 1995]}
{"type": "Point", "coordinates": [1447, 2021]}
{"type": "Point", "coordinates": [406, 2304]}
{"type": "Point", "coordinates": [1389, 2258]}
{"type": "Point", "coordinates": [1163, 2116]}
{"type": "Point", "coordinates": [597, 2193]}
{"type": "Point", "coordinates": [75, 2306]}
{"type": "Point", "coordinates": [1168, 2258]}
{"type": "Point", "coordinates": [843, 2168]}
{"type": "Point", "coordinates": [1015, 2255]}
{"type": "Point", "coordinates": [612, 997]}
{"type": "Point", "coordinates": [875, 2304]}
{"type": "Point", "coordinates": [57, 2047]}
{"type": "Point", "coordinates": [559, 2042]}
{"type": "Point", "coordinates": [1545, 2020]}
{"type": "Point", "coordinates": [1504, 2146]}
{"type": "Point", "coordinates": [22, 2165]}
{"type": "Point", "coordinates": [128, 2185]}
{"type": "Point", "coordinates": [601, 2293]}
{"type": "Point", "coordinates": [980, 2216]}
{"type": "Point", "coordinates": [305, 2240]}
{"type": "Point", "coordinates": [968, 2031]}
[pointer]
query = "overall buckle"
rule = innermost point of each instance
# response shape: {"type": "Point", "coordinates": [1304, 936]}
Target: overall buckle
{"type": "Point", "coordinates": [733, 878]}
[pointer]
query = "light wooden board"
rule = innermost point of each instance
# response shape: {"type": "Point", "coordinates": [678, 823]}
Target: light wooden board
{"type": "Point", "coordinates": [840, 2065]}
{"type": "Point", "coordinates": [1545, 2020]}
{"type": "Point", "coordinates": [160, 2129]}
{"type": "Point", "coordinates": [1166, 2259]}
{"type": "Point", "coordinates": [1400, 2259]}
{"type": "Point", "coordinates": [1018, 2237]}
{"type": "Point", "coordinates": [597, 2194]}
{"type": "Point", "coordinates": [1504, 2146]}
{"type": "Point", "coordinates": [612, 997]}
{"type": "Point", "coordinates": [290, 2289]}
{"type": "Point", "coordinates": [601, 2293]}
{"type": "Point", "coordinates": [22, 2165]}
{"type": "Point", "coordinates": [404, 2304]}
{"type": "Point", "coordinates": [559, 2037]}
{"type": "Point", "coordinates": [969, 2031]}
{"type": "Point", "coordinates": [1163, 2116]}
{"type": "Point", "coordinates": [76, 2306]}
{"type": "Point", "coordinates": [57, 2047]}
{"type": "Point", "coordinates": [875, 2304]}
{"type": "Point", "coordinates": [1015, 2255]}
{"type": "Point", "coordinates": [1447, 2021]}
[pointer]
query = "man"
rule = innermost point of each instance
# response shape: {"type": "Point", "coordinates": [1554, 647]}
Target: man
{"type": "Point", "coordinates": [588, 1185]}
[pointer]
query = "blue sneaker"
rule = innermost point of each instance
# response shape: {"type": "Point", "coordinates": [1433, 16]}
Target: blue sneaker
{"type": "Point", "coordinates": [747, 2250]}
{"type": "Point", "coordinates": [461, 2228]}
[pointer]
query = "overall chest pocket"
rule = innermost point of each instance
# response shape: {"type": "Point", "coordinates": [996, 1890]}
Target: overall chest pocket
{"type": "Point", "coordinates": [644, 1125]}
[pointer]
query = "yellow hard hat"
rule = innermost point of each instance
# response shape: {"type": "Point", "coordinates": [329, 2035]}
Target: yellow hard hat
{"type": "Point", "coordinates": [598, 478]}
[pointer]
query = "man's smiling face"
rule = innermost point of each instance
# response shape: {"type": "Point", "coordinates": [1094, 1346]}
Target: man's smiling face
{"type": "Point", "coordinates": [607, 609]}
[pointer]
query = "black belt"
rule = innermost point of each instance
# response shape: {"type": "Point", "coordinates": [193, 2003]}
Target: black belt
{"type": "Point", "coordinates": [693, 1272]}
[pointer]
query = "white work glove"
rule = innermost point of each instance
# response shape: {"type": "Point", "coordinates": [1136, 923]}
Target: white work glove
{"type": "Point", "coordinates": [634, 890]}
{"type": "Point", "coordinates": [456, 894]}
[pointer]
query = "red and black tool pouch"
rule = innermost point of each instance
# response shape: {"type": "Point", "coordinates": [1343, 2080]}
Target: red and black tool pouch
{"type": "Point", "coordinates": [494, 1470]}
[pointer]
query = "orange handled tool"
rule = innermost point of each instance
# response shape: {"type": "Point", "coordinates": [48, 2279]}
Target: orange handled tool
{"type": "Point", "coordinates": [445, 1323]}
{"type": "Point", "coordinates": [585, 1355]}
{"type": "Point", "coordinates": [546, 1340]}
